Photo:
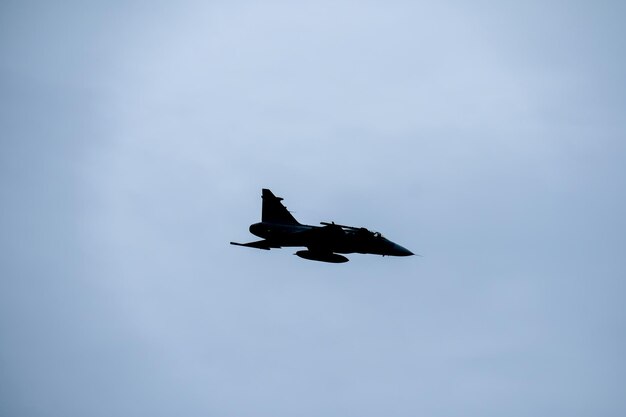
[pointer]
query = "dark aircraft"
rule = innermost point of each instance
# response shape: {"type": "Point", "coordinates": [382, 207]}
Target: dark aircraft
{"type": "Point", "coordinates": [279, 228]}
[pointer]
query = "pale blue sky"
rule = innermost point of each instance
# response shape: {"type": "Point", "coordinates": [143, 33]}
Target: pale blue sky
{"type": "Point", "coordinates": [136, 138]}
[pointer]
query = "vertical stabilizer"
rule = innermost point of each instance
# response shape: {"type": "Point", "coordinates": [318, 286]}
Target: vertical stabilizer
{"type": "Point", "coordinates": [273, 210]}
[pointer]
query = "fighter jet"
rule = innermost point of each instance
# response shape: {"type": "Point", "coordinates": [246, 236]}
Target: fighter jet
{"type": "Point", "coordinates": [324, 243]}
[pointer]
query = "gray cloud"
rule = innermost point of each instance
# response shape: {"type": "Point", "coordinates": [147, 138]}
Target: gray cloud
{"type": "Point", "coordinates": [135, 141]}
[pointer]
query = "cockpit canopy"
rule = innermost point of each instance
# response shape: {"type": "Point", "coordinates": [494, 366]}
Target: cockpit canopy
{"type": "Point", "coordinates": [358, 230]}
{"type": "Point", "coordinates": [375, 235]}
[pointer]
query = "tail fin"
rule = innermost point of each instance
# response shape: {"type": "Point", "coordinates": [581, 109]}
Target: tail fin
{"type": "Point", "coordinates": [273, 210]}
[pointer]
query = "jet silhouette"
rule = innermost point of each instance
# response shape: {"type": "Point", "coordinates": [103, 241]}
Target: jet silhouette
{"type": "Point", "coordinates": [279, 228]}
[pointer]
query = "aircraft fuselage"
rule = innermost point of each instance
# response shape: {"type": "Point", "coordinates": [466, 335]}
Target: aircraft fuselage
{"type": "Point", "coordinates": [320, 238]}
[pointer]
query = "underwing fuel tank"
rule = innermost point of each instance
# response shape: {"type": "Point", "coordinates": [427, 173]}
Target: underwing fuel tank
{"type": "Point", "coordinates": [322, 257]}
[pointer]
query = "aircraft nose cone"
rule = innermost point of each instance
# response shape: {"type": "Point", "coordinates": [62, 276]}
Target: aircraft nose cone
{"type": "Point", "coordinates": [401, 251]}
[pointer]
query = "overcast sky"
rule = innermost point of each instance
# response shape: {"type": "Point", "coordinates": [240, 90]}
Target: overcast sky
{"type": "Point", "coordinates": [135, 138]}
